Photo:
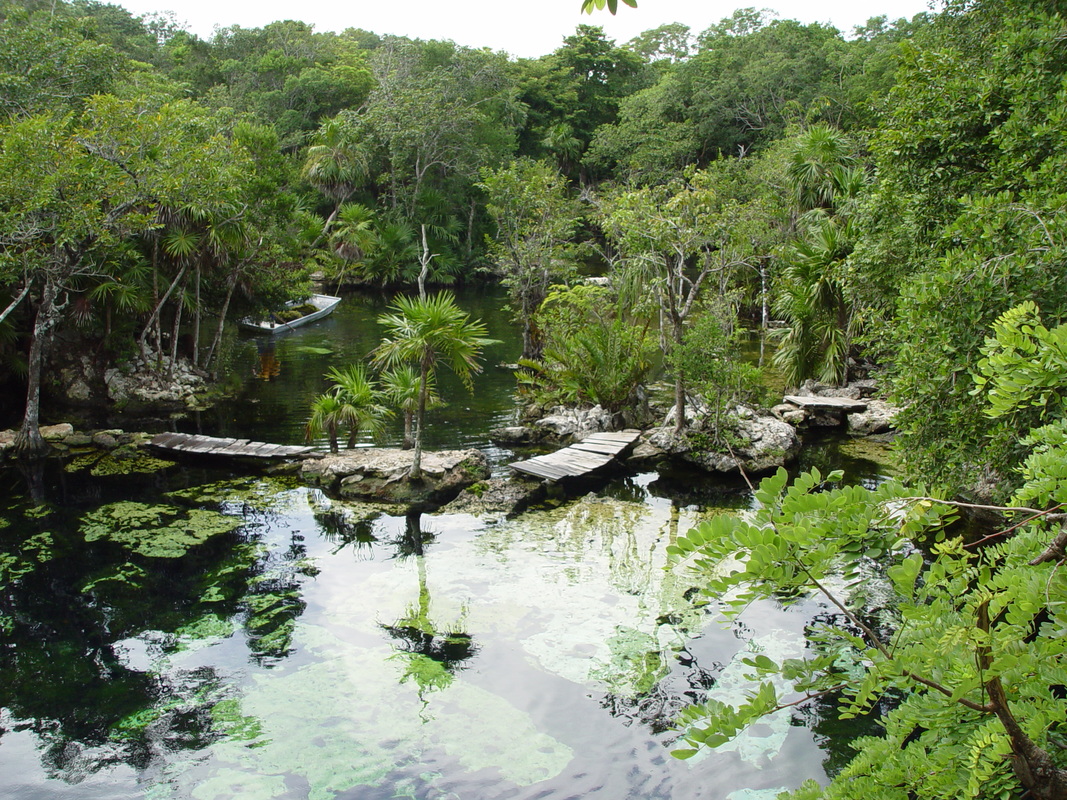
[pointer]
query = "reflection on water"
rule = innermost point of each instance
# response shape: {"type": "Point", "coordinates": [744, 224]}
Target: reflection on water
{"type": "Point", "coordinates": [324, 649]}
{"type": "Point", "coordinates": [318, 649]}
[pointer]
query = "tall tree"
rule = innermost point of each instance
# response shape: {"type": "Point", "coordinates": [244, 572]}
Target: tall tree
{"type": "Point", "coordinates": [426, 332]}
{"type": "Point", "coordinates": [536, 219]}
{"type": "Point", "coordinates": [72, 195]}
{"type": "Point", "coordinates": [672, 239]}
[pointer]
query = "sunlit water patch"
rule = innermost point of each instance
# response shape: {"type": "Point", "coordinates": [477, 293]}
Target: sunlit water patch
{"type": "Point", "coordinates": [310, 652]}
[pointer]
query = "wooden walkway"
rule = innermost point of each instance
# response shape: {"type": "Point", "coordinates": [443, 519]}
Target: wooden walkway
{"type": "Point", "coordinates": [594, 452]}
{"type": "Point", "coordinates": [226, 448]}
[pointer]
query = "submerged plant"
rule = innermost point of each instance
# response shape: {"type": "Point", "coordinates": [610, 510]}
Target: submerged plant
{"type": "Point", "coordinates": [155, 531]}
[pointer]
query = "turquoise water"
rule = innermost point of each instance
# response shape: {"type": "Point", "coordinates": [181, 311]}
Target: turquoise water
{"type": "Point", "coordinates": [295, 647]}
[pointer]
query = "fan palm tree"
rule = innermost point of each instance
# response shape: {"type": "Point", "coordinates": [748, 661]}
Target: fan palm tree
{"type": "Point", "coordinates": [401, 388]}
{"type": "Point", "coordinates": [360, 394]}
{"type": "Point", "coordinates": [425, 332]}
{"type": "Point", "coordinates": [352, 403]}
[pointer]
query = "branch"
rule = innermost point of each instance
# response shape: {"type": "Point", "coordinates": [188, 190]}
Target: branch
{"type": "Point", "coordinates": [15, 302]}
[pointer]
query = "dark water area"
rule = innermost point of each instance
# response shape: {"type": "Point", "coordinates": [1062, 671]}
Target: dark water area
{"type": "Point", "coordinates": [169, 630]}
{"type": "Point", "coordinates": [278, 376]}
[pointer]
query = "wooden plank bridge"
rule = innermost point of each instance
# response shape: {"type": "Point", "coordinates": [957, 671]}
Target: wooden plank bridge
{"type": "Point", "coordinates": [226, 448]}
{"type": "Point", "coordinates": [595, 451]}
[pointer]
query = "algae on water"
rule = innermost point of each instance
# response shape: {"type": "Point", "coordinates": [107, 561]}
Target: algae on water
{"type": "Point", "coordinates": [155, 531]}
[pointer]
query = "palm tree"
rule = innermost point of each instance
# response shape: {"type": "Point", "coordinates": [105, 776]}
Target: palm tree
{"type": "Point", "coordinates": [365, 411]}
{"type": "Point", "coordinates": [812, 297]}
{"type": "Point", "coordinates": [336, 162]}
{"type": "Point", "coordinates": [424, 332]}
{"type": "Point", "coordinates": [401, 388]}
{"type": "Point", "coordinates": [352, 403]}
{"type": "Point", "coordinates": [327, 416]}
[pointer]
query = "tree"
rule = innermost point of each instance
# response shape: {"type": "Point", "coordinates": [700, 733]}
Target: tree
{"type": "Point", "coordinates": [352, 403]}
{"type": "Point", "coordinates": [964, 220]}
{"type": "Point", "coordinates": [425, 332]}
{"type": "Point", "coordinates": [536, 219]}
{"type": "Point", "coordinates": [825, 181]}
{"type": "Point", "coordinates": [673, 238]}
{"type": "Point", "coordinates": [974, 646]}
{"type": "Point", "coordinates": [73, 194]}
{"type": "Point", "coordinates": [598, 347]}
{"type": "Point", "coordinates": [401, 387]}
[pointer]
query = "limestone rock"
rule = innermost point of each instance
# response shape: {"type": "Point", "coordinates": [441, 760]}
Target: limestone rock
{"type": "Point", "coordinates": [516, 434]}
{"type": "Point", "coordinates": [878, 418]}
{"type": "Point", "coordinates": [765, 443]}
{"type": "Point", "coordinates": [380, 475]}
{"type": "Point", "coordinates": [55, 433]}
{"type": "Point", "coordinates": [576, 422]}
{"type": "Point", "coordinates": [497, 496]}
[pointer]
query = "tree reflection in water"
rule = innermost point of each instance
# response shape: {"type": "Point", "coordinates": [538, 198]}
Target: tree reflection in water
{"type": "Point", "coordinates": [432, 652]}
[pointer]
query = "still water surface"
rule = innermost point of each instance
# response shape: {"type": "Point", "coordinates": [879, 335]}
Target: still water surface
{"type": "Point", "coordinates": [295, 647]}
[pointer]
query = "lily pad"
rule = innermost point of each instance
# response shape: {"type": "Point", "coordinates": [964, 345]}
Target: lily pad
{"type": "Point", "coordinates": [155, 531]}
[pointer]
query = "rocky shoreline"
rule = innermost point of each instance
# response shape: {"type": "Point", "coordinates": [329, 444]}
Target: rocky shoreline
{"type": "Point", "coordinates": [459, 481]}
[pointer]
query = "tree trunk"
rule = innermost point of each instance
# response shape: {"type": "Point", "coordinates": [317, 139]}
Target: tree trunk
{"type": "Point", "coordinates": [196, 320]}
{"type": "Point", "coordinates": [175, 331]}
{"type": "Point", "coordinates": [153, 321]}
{"type": "Point", "coordinates": [415, 473]}
{"type": "Point", "coordinates": [28, 441]}
{"type": "Point", "coordinates": [231, 284]}
{"type": "Point", "coordinates": [408, 440]}
{"type": "Point", "coordinates": [679, 384]}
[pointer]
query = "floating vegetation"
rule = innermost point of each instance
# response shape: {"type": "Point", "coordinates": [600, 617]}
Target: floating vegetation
{"type": "Point", "coordinates": [250, 494]}
{"type": "Point", "coordinates": [313, 351]}
{"type": "Point", "coordinates": [119, 462]}
{"type": "Point", "coordinates": [130, 575]}
{"type": "Point", "coordinates": [155, 531]}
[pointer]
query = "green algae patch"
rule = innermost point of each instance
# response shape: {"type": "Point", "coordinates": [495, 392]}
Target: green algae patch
{"type": "Point", "coordinates": [101, 465]}
{"type": "Point", "coordinates": [25, 557]}
{"type": "Point", "coordinates": [130, 575]}
{"type": "Point", "coordinates": [155, 531]}
{"type": "Point", "coordinates": [251, 494]}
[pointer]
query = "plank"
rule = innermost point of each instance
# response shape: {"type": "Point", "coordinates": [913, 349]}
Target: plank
{"type": "Point", "coordinates": [831, 403]}
{"type": "Point", "coordinates": [226, 447]}
{"type": "Point", "coordinates": [594, 447]}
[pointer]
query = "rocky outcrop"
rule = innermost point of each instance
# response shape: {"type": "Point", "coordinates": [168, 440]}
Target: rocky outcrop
{"type": "Point", "coordinates": [576, 423]}
{"type": "Point", "coordinates": [64, 439]}
{"type": "Point", "coordinates": [517, 435]}
{"type": "Point", "coordinates": [762, 443]}
{"type": "Point", "coordinates": [140, 384]}
{"type": "Point", "coordinates": [880, 417]}
{"type": "Point", "coordinates": [497, 496]}
{"type": "Point", "coordinates": [86, 381]}
{"type": "Point", "coordinates": [818, 405]}
{"type": "Point", "coordinates": [379, 475]}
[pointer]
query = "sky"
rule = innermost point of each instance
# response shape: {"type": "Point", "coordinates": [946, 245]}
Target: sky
{"type": "Point", "coordinates": [525, 29]}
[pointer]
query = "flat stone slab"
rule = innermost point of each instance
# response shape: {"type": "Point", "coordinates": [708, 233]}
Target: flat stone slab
{"type": "Point", "coordinates": [842, 404]}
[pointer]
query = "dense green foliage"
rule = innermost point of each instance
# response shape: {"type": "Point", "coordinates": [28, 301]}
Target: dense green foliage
{"type": "Point", "coordinates": [894, 196]}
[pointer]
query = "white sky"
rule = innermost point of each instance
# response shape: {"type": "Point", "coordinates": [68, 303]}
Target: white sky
{"type": "Point", "coordinates": [527, 28]}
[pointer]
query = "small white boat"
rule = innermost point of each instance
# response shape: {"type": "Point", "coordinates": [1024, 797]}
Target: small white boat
{"type": "Point", "coordinates": [324, 305]}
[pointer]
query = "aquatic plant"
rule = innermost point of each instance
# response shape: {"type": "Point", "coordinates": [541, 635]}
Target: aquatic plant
{"type": "Point", "coordinates": [155, 531]}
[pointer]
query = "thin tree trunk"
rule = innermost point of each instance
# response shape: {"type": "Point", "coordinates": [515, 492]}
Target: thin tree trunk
{"type": "Point", "coordinates": [153, 321]}
{"type": "Point", "coordinates": [196, 319]}
{"type": "Point", "coordinates": [415, 473]}
{"type": "Point", "coordinates": [679, 383]}
{"type": "Point", "coordinates": [174, 335]}
{"type": "Point", "coordinates": [28, 442]}
{"type": "Point", "coordinates": [14, 303]}
{"type": "Point", "coordinates": [231, 285]}
{"type": "Point", "coordinates": [408, 440]}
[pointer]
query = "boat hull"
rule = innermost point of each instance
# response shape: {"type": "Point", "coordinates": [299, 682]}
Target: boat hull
{"type": "Point", "coordinates": [323, 302]}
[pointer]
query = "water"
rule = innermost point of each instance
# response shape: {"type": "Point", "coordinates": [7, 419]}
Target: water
{"type": "Point", "coordinates": [302, 651]}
